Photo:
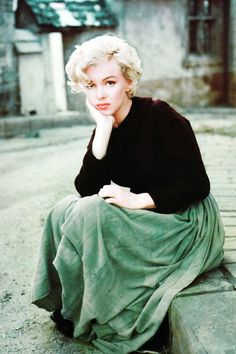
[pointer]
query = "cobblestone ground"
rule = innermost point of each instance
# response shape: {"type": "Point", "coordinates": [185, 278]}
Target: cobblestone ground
{"type": "Point", "coordinates": [219, 154]}
{"type": "Point", "coordinates": [34, 174]}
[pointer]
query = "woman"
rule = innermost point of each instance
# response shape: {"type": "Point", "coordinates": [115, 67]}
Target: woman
{"type": "Point", "coordinates": [143, 226]}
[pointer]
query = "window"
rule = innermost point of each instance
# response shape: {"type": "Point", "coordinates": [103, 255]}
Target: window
{"type": "Point", "coordinates": [200, 27]}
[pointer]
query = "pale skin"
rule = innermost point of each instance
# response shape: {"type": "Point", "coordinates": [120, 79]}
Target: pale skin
{"type": "Point", "coordinates": [109, 104]}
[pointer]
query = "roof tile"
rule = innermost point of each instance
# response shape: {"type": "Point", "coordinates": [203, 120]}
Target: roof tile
{"type": "Point", "coordinates": [72, 13]}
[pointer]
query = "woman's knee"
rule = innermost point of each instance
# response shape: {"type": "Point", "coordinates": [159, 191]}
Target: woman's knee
{"type": "Point", "coordinates": [87, 208]}
{"type": "Point", "coordinates": [57, 214]}
{"type": "Point", "coordinates": [91, 203]}
{"type": "Point", "coordinates": [60, 208]}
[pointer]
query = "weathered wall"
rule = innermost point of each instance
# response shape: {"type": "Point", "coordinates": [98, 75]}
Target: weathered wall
{"type": "Point", "coordinates": [41, 72]}
{"type": "Point", "coordinates": [232, 53]}
{"type": "Point", "coordinates": [31, 65]}
{"type": "Point", "coordinates": [32, 94]}
{"type": "Point", "coordinates": [159, 32]}
{"type": "Point", "coordinates": [9, 99]}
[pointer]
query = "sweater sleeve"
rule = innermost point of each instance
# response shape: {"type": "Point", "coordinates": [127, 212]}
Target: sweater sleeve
{"type": "Point", "coordinates": [93, 174]}
{"type": "Point", "coordinates": [189, 182]}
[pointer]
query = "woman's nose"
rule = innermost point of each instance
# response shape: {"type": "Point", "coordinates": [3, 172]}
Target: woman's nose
{"type": "Point", "coordinates": [100, 92]}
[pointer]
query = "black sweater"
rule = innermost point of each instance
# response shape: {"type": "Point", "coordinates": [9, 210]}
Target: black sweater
{"type": "Point", "coordinates": [153, 150]}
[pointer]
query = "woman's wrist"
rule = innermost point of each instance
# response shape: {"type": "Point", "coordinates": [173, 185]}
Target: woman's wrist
{"type": "Point", "coordinates": [107, 122]}
{"type": "Point", "coordinates": [102, 136]}
{"type": "Point", "coordinates": [146, 201]}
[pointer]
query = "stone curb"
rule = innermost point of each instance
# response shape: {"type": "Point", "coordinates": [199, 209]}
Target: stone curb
{"type": "Point", "coordinates": [202, 316]}
{"type": "Point", "coordinates": [13, 126]}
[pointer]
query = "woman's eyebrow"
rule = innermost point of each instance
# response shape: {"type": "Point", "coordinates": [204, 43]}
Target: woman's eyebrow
{"type": "Point", "coordinates": [109, 77]}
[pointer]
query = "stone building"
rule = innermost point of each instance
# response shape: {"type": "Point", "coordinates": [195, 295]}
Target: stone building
{"type": "Point", "coordinates": [9, 94]}
{"type": "Point", "coordinates": [187, 47]}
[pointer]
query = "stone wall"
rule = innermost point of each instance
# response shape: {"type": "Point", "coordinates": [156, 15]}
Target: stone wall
{"type": "Point", "coordinates": [159, 32]}
{"type": "Point", "coordinates": [9, 98]}
{"type": "Point", "coordinates": [232, 53]}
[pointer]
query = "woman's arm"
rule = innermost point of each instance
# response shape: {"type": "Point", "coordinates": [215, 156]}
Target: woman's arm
{"type": "Point", "coordinates": [102, 133]}
{"type": "Point", "coordinates": [101, 138]}
{"type": "Point", "coordinates": [94, 174]}
{"type": "Point", "coordinates": [188, 181]}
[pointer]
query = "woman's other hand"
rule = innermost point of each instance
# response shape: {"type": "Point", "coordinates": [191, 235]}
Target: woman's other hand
{"type": "Point", "coordinates": [122, 197]}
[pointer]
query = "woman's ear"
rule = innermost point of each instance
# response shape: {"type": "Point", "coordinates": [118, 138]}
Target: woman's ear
{"type": "Point", "coordinates": [128, 85]}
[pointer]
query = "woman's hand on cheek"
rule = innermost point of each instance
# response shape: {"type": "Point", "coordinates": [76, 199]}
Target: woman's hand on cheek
{"type": "Point", "coordinates": [98, 117]}
{"type": "Point", "coordinates": [124, 198]}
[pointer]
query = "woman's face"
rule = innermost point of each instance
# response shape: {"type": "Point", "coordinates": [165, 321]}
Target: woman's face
{"type": "Point", "coordinates": [107, 89]}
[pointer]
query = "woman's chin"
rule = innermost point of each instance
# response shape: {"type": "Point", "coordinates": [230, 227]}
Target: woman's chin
{"type": "Point", "coordinates": [107, 112]}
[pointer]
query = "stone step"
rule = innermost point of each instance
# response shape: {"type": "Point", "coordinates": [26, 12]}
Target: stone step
{"type": "Point", "coordinates": [203, 324]}
{"type": "Point", "coordinates": [231, 268]}
{"type": "Point", "coordinates": [229, 257]}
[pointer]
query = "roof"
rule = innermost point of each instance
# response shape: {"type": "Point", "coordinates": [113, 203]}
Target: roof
{"type": "Point", "coordinates": [72, 13]}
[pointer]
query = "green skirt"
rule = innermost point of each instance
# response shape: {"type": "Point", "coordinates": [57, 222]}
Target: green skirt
{"type": "Point", "coordinates": [114, 271]}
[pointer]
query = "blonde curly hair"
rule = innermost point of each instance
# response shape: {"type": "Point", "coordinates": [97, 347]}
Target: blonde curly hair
{"type": "Point", "coordinates": [99, 50]}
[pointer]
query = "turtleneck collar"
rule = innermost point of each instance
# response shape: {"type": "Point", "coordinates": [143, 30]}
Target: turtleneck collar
{"type": "Point", "coordinates": [132, 120]}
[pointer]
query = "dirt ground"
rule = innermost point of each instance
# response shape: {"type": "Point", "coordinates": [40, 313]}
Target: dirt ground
{"type": "Point", "coordinates": [34, 174]}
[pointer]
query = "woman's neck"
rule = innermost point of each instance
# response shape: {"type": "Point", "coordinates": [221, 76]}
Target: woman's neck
{"type": "Point", "coordinates": [123, 112]}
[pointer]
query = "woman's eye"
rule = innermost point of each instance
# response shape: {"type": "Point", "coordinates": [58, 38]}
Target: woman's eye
{"type": "Point", "coordinates": [110, 83]}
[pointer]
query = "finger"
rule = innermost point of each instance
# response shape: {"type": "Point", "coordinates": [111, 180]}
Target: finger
{"type": "Point", "coordinates": [107, 187]}
{"type": "Point", "coordinates": [102, 194]}
{"type": "Point", "coordinates": [108, 190]}
{"type": "Point", "coordinates": [112, 201]}
{"type": "Point", "coordinates": [105, 194]}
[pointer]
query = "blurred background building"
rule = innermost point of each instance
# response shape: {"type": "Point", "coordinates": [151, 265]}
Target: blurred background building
{"type": "Point", "coordinates": [187, 47]}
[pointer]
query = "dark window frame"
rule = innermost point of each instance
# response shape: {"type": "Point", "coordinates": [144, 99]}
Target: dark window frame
{"type": "Point", "coordinates": [200, 27]}
{"type": "Point", "coordinates": [199, 49]}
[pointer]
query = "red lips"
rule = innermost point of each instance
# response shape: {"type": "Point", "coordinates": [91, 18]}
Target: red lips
{"type": "Point", "coordinates": [102, 106]}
